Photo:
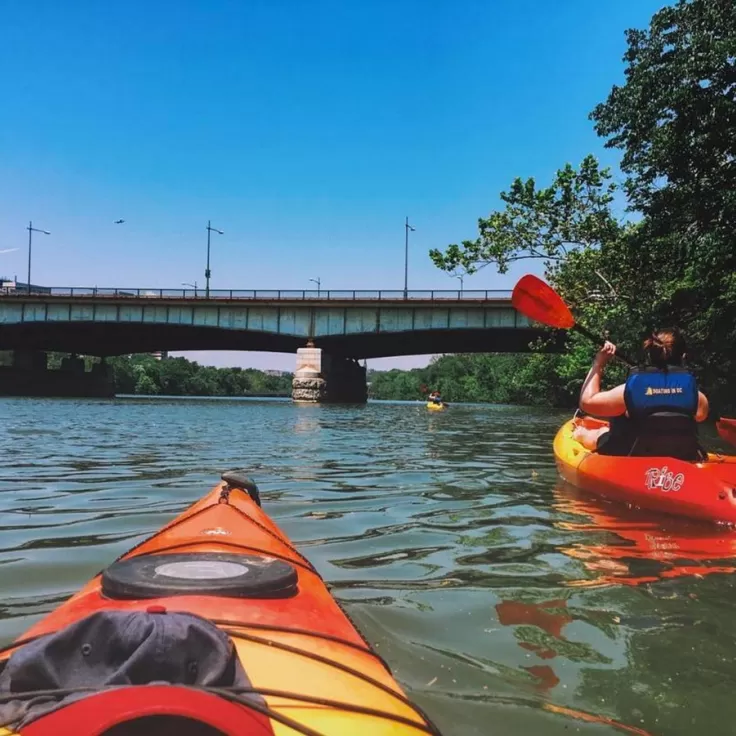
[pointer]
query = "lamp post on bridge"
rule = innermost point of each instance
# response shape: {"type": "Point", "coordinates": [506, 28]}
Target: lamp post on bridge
{"type": "Point", "coordinates": [207, 270]}
{"type": "Point", "coordinates": [318, 282]}
{"type": "Point", "coordinates": [194, 286]}
{"type": "Point", "coordinates": [407, 227]}
{"type": "Point", "coordinates": [460, 276]}
{"type": "Point", "coordinates": [32, 230]}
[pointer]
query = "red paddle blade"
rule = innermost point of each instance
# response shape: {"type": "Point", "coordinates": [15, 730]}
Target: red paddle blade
{"type": "Point", "coordinates": [541, 303]}
{"type": "Point", "coordinates": [727, 429]}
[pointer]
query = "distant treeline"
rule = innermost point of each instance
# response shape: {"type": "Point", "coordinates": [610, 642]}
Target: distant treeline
{"type": "Point", "coordinates": [498, 378]}
{"type": "Point", "coordinates": [143, 374]}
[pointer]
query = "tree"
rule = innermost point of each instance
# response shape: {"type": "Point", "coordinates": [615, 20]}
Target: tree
{"type": "Point", "coordinates": [675, 121]}
{"type": "Point", "coordinates": [547, 223]}
{"type": "Point", "coordinates": [145, 385]}
{"type": "Point", "coordinates": [675, 117]}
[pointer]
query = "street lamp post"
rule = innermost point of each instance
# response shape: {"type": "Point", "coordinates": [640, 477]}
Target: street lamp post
{"type": "Point", "coordinates": [207, 270]}
{"type": "Point", "coordinates": [460, 276]}
{"type": "Point", "coordinates": [318, 282]}
{"type": "Point", "coordinates": [407, 227]}
{"type": "Point", "coordinates": [194, 286]}
{"type": "Point", "coordinates": [32, 230]}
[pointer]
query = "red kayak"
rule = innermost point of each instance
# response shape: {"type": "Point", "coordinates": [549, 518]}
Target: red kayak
{"type": "Point", "coordinates": [696, 490]}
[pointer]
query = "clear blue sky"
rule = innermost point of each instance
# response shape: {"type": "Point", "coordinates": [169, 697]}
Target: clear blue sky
{"type": "Point", "coordinates": [306, 131]}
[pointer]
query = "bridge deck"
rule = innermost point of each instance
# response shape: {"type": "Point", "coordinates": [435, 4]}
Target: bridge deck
{"type": "Point", "coordinates": [264, 295]}
{"type": "Point", "coordinates": [361, 324]}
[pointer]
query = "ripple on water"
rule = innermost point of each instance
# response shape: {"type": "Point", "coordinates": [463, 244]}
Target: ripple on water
{"type": "Point", "coordinates": [505, 602]}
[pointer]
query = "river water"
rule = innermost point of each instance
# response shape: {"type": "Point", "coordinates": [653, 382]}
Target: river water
{"type": "Point", "coordinates": [504, 602]}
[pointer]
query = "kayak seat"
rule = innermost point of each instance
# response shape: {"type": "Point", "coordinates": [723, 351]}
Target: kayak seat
{"type": "Point", "coordinates": [240, 480]}
{"type": "Point", "coordinates": [657, 435]}
{"type": "Point", "coordinates": [199, 573]}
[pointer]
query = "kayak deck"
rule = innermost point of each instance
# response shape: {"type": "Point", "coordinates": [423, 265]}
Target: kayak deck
{"type": "Point", "coordinates": [300, 652]}
{"type": "Point", "coordinates": [697, 490]}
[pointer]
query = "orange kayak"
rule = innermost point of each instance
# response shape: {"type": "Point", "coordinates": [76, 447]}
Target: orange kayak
{"type": "Point", "coordinates": [214, 625]}
{"type": "Point", "coordinates": [696, 490]}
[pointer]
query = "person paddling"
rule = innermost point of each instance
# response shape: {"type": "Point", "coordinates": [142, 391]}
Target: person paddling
{"type": "Point", "coordinates": [655, 412]}
{"type": "Point", "coordinates": [435, 397]}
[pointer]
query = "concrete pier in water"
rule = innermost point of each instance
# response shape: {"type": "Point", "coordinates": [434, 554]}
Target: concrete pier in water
{"type": "Point", "coordinates": [323, 378]}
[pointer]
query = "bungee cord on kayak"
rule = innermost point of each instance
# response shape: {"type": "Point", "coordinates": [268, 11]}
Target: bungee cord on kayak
{"type": "Point", "coordinates": [239, 695]}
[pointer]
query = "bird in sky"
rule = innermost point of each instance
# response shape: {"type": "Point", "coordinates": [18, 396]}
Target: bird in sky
{"type": "Point", "coordinates": [119, 222]}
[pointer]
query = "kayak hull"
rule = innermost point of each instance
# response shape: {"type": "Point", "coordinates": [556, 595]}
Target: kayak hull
{"type": "Point", "coordinates": [436, 407]}
{"type": "Point", "coordinates": [704, 490]}
{"type": "Point", "coordinates": [303, 644]}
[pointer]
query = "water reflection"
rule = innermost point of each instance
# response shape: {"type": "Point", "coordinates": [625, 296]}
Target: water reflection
{"type": "Point", "coordinates": [504, 600]}
{"type": "Point", "coordinates": [624, 546]}
{"type": "Point", "coordinates": [550, 617]}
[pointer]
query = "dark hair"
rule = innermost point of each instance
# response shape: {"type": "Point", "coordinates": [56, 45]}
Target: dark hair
{"type": "Point", "coordinates": [665, 347]}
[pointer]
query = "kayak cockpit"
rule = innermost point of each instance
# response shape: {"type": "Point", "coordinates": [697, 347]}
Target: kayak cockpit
{"type": "Point", "coordinates": [154, 710]}
{"type": "Point", "coordinates": [104, 654]}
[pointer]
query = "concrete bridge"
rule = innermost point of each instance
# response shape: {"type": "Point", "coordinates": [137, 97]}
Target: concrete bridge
{"type": "Point", "coordinates": [325, 328]}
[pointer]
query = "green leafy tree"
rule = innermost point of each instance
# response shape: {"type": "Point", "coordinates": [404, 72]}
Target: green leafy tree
{"type": "Point", "coordinates": [498, 378]}
{"type": "Point", "coordinates": [675, 116]}
{"type": "Point", "coordinates": [145, 385]}
{"type": "Point", "coordinates": [541, 223]}
{"type": "Point", "coordinates": [675, 122]}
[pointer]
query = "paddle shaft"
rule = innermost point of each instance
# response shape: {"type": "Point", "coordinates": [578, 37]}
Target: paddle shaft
{"type": "Point", "coordinates": [596, 339]}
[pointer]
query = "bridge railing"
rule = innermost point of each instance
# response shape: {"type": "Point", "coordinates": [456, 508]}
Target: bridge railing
{"type": "Point", "coordinates": [432, 295]}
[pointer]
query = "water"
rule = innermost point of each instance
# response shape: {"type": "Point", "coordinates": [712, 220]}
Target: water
{"type": "Point", "coordinates": [505, 602]}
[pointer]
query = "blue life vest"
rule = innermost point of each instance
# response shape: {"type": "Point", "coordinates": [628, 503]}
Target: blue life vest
{"type": "Point", "coordinates": [661, 406]}
{"type": "Point", "coordinates": [651, 391]}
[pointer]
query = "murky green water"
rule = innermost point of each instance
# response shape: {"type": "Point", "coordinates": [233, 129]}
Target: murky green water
{"type": "Point", "coordinates": [504, 602]}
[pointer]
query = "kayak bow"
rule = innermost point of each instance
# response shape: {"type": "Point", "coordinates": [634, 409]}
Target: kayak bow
{"type": "Point", "coordinates": [224, 573]}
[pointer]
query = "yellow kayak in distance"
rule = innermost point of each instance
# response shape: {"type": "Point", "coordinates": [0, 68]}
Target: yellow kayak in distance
{"type": "Point", "coordinates": [436, 407]}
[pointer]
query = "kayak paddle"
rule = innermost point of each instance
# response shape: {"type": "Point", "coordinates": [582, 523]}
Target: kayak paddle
{"type": "Point", "coordinates": [727, 430]}
{"type": "Point", "coordinates": [540, 302]}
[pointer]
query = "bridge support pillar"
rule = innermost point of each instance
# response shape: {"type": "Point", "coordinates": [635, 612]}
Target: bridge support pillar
{"type": "Point", "coordinates": [323, 378]}
{"type": "Point", "coordinates": [29, 375]}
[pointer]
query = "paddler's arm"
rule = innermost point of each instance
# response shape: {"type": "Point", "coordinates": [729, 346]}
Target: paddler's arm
{"type": "Point", "coordinates": [592, 399]}
{"type": "Point", "coordinates": [702, 414]}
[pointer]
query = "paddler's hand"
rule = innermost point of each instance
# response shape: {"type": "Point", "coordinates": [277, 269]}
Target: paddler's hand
{"type": "Point", "coordinates": [605, 353]}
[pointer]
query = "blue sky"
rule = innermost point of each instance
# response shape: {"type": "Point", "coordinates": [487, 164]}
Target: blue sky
{"type": "Point", "coordinates": [306, 131]}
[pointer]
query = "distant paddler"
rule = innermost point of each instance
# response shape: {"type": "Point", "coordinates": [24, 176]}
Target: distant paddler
{"type": "Point", "coordinates": [435, 397]}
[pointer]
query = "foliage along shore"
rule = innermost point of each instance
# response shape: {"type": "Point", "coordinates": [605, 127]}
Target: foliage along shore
{"type": "Point", "coordinates": [495, 378]}
{"type": "Point", "coordinates": [671, 259]}
{"type": "Point", "coordinates": [486, 378]}
{"type": "Point", "coordinates": [144, 374]}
